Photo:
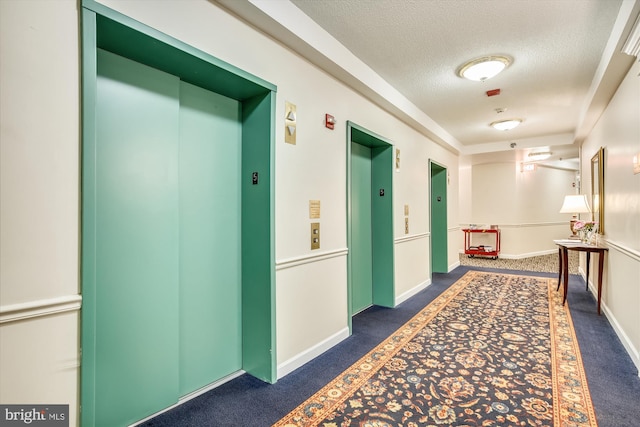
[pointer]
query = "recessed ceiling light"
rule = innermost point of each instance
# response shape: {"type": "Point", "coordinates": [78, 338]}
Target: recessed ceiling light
{"type": "Point", "coordinates": [540, 155]}
{"type": "Point", "coordinates": [506, 124]}
{"type": "Point", "coordinates": [481, 69]}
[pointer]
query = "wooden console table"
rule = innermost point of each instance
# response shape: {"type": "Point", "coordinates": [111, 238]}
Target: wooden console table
{"type": "Point", "coordinates": [564, 246]}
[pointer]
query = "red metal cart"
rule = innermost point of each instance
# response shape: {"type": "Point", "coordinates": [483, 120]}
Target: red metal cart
{"type": "Point", "coordinates": [482, 250]}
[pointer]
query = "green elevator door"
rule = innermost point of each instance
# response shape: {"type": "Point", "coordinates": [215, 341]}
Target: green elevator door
{"type": "Point", "coordinates": [167, 240]}
{"type": "Point", "coordinates": [136, 241]}
{"type": "Point", "coordinates": [361, 238]}
{"type": "Point", "coordinates": [439, 250]}
{"type": "Point", "coordinates": [210, 235]}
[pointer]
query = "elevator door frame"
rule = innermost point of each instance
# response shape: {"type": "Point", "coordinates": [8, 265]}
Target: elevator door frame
{"type": "Point", "coordinates": [438, 206]}
{"type": "Point", "coordinates": [383, 285]}
{"type": "Point", "coordinates": [107, 29]}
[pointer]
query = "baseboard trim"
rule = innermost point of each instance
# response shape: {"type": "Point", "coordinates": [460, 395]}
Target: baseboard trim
{"type": "Point", "coordinates": [530, 254]}
{"type": "Point", "coordinates": [453, 266]}
{"type": "Point", "coordinates": [299, 360]}
{"type": "Point", "coordinates": [633, 352]}
{"type": "Point", "coordinates": [411, 292]}
{"type": "Point", "coordinates": [525, 255]}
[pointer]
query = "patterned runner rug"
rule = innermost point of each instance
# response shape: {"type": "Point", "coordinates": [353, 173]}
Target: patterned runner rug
{"type": "Point", "coordinates": [492, 350]}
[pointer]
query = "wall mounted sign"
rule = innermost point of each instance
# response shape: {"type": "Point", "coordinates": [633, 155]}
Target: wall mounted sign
{"type": "Point", "coordinates": [290, 123]}
{"type": "Point", "coordinates": [314, 209]}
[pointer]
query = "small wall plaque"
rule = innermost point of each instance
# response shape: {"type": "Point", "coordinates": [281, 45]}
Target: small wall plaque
{"type": "Point", "coordinates": [314, 209]}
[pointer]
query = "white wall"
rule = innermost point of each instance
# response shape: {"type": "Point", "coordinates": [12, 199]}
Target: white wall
{"type": "Point", "coordinates": [40, 187]}
{"type": "Point", "coordinates": [39, 199]}
{"type": "Point", "coordinates": [618, 131]}
{"type": "Point", "coordinates": [525, 205]}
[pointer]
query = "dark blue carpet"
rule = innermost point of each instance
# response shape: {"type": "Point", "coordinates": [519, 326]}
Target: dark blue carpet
{"type": "Point", "coordinates": [248, 402]}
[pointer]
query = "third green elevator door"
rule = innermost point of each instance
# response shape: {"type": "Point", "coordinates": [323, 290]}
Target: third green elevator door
{"type": "Point", "coordinates": [168, 282]}
{"type": "Point", "coordinates": [439, 250]}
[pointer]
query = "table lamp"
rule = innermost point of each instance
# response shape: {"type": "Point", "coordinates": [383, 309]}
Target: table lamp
{"type": "Point", "coordinates": [575, 204]}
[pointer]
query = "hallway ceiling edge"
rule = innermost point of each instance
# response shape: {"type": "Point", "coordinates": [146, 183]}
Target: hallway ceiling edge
{"type": "Point", "coordinates": [567, 63]}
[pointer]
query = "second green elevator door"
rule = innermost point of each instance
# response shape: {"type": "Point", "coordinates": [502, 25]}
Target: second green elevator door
{"type": "Point", "coordinates": [361, 240]}
{"type": "Point", "coordinates": [168, 233]}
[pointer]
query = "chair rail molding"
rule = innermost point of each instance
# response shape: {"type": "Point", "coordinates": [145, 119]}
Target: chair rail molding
{"type": "Point", "coordinates": [308, 259]}
{"type": "Point", "coordinates": [39, 308]}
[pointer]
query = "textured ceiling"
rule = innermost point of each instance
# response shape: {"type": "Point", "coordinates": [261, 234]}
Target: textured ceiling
{"type": "Point", "coordinates": [417, 45]}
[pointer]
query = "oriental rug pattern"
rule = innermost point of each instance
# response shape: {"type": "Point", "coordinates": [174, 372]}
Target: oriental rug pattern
{"type": "Point", "coordinates": [492, 350]}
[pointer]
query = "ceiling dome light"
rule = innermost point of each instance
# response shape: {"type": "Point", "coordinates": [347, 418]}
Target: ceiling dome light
{"type": "Point", "coordinates": [484, 68]}
{"type": "Point", "coordinates": [506, 124]}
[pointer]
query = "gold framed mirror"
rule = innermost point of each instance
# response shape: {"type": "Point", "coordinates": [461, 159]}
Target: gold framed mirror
{"type": "Point", "coordinates": [597, 189]}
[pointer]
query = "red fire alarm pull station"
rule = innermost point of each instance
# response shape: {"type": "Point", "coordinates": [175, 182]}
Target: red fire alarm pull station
{"type": "Point", "coordinates": [329, 121]}
{"type": "Point", "coordinates": [493, 92]}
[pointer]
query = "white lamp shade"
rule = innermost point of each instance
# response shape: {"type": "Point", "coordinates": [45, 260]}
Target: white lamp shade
{"type": "Point", "coordinates": [575, 204]}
